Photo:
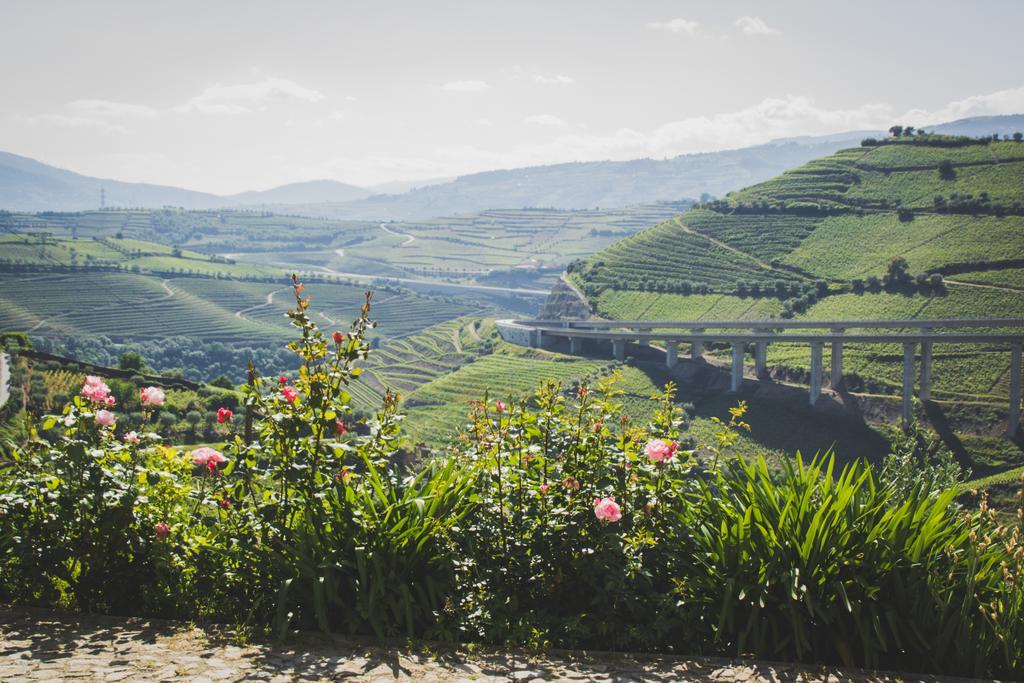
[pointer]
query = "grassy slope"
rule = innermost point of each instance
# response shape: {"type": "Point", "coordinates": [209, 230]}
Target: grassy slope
{"type": "Point", "coordinates": [864, 186]}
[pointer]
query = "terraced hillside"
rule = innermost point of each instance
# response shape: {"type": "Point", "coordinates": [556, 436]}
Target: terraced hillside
{"type": "Point", "coordinates": [819, 242]}
{"type": "Point", "coordinates": [128, 306]}
{"type": "Point", "coordinates": [525, 245]}
{"type": "Point", "coordinates": [945, 205]}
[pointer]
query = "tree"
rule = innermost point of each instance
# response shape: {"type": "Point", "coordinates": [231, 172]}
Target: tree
{"type": "Point", "coordinates": [946, 170]}
{"type": "Point", "coordinates": [896, 131]}
{"type": "Point", "coordinates": [908, 131]}
{"type": "Point", "coordinates": [897, 271]}
{"type": "Point", "coordinates": [1017, 137]}
{"type": "Point", "coordinates": [132, 360]}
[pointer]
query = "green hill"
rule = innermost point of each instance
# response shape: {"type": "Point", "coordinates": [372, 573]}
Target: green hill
{"type": "Point", "coordinates": [817, 242]}
{"type": "Point", "coordinates": [838, 218]}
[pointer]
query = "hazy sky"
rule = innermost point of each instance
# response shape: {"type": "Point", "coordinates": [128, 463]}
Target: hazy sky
{"type": "Point", "coordinates": [226, 96]}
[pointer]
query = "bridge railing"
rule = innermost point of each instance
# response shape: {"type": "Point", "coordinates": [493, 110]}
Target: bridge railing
{"type": "Point", "coordinates": [760, 333]}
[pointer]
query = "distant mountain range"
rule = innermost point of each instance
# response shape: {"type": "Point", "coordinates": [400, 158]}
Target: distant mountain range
{"type": "Point", "coordinates": [29, 185]}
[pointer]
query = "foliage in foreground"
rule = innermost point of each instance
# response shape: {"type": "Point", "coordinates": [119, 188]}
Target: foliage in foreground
{"type": "Point", "coordinates": [553, 521]}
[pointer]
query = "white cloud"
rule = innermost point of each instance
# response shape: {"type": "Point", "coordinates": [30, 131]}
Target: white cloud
{"type": "Point", "coordinates": [545, 120]}
{"type": "Point", "coordinates": [677, 25]}
{"type": "Point", "coordinates": [754, 26]}
{"type": "Point", "coordinates": [111, 109]}
{"type": "Point", "coordinates": [466, 86]}
{"type": "Point", "coordinates": [1010, 101]}
{"type": "Point", "coordinates": [65, 121]}
{"type": "Point", "coordinates": [769, 119]}
{"type": "Point", "coordinates": [242, 98]}
{"type": "Point", "coordinates": [338, 115]}
{"type": "Point", "coordinates": [484, 122]}
{"type": "Point", "coordinates": [555, 79]}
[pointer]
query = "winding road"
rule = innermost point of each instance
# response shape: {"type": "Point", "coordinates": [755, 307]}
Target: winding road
{"type": "Point", "coordinates": [270, 300]}
{"type": "Point", "coordinates": [409, 239]}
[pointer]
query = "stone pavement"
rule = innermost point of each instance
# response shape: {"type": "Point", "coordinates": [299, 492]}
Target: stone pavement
{"type": "Point", "coordinates": [49, 645]}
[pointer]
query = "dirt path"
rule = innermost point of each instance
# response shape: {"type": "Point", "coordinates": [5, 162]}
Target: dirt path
{"type": "Point", "coordinates": [167, 288]}
{"type": "Point", "coordinates": [998, 288]}
{"type": "Point", "coordinates": [53, 645]}
{"type": "Point", "coordinates": [269, 302]}
{"type": "Point", "coordinates": [734, 250]}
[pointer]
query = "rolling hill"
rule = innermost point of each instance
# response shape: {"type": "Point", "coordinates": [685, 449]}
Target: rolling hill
{"type": "Point", "coordinates": [817, 242]}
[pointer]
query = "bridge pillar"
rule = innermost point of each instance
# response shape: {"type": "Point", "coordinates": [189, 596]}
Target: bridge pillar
{"type": "Point", "coordinates": [671, 353]}
{"type": "Point", "coordinates": [1013, 415]}
{"type": "Point", "coordinates": [816, 370]}
{"type": "Point", "coordinates": [619, 349]}
{"type": "Point", "coordinates": [736, 379]}
{"type": "Point", "coordinates": [697, 349]}
{"type": "Point", "coordinates": [575, 345]}
{"type": "Point", "coordinates": [925, 391]}
{"type": "Point", "coordinates": [643, 342]}
{"type": "Point", "coordinates": [907, 408]}
{"type": "Point", "coordinates": [836, 377]}
{"type": "Point", "coordinates": [761, 359]}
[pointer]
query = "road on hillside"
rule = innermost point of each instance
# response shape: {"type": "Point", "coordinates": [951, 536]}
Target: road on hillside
{"type": "Point", "coordinates": [5, 377]}
{"type": "Point", "coordinates": [409, 239]}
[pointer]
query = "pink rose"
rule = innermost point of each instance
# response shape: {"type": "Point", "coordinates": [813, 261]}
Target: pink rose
{"type": "Point", "coordinates": [544, 488]}
{"type": "Point", "coordinates": [659, 450]}
{"type": "Point", "coordinates": [96, 390]}
{"type": "Point", "coordinates": [153, 396]}
{"type": "Point", "coordinates": [338, 337]}
{"type": "Point", "coordinates": [161, 530]}
{"type": "Point", "coordinates": [131, 437]}
{"type": "Point", "coordinates": [104, 417]}
{"type": "Point", "coordinates": [607, 509]}
{"type": "Point", "coordinates": [224, 415]}
{"type": "Point", "coordinates": [290, 394]}
{"type": "Point", "coordinates": [282, 380]}
{"type": "Point", "coordinates": [499, 406]}
{"type": "Point", "coordinates": [206, 456]}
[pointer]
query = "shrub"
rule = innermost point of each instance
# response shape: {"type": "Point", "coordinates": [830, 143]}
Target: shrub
{"type": "Point", "coordinates": [553, 520]}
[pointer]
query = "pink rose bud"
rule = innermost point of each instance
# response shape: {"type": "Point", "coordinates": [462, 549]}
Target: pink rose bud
{"type": "Point", "coordinates": [104, 417]}
{"type": "Point", "coordinates": [499, 406]}
{"type": "Point", "coordinates": [206, 456]}
{"type": "Point", "coordinates": [160, 529]}
{"type": "Point", "coordinates": [224, 415]}
{"type": "Point", "coordinates": [290, 394]}
{"type": "Point", "coordinates": [659, 450]}
{"type": "Point", "coordinates": [606, 509]}
{"type": "Point", "coordinates": [95, 389]}
{"type": "Point", "coordinates": [152, 396]}
{"type": "Point", "coordinates": [339, 337]}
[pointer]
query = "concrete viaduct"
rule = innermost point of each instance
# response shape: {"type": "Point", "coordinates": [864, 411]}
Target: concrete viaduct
{"type": "Point", "coordinates": [1008, 332]}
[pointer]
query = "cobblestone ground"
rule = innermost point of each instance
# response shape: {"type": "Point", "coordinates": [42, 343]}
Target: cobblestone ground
{"type": "Point", "coordinates": [45, 645]}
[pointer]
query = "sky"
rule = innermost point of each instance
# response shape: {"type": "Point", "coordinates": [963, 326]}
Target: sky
{"type": "Point", "coordinates": [231, 95]}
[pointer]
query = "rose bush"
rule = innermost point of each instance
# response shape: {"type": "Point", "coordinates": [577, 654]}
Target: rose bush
{"type": "Point", "coordinates": [552, 520]}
